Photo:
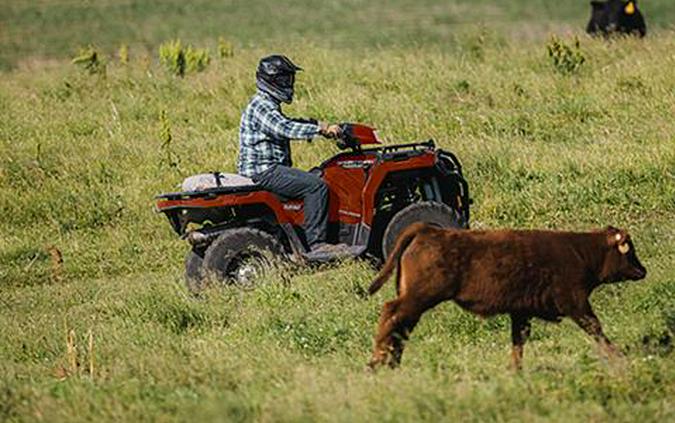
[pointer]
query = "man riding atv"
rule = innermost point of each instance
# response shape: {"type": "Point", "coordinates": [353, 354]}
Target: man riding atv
{"type": "Point", "coordinates": [237, 225]}
{"type": "Point", "coordinates": [265, 152]}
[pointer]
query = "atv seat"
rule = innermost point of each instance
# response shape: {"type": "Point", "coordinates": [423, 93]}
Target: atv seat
{"type": "Point", "coordinates": [216, 183]}
{"type": "Point", "coordinates": [216, 180]}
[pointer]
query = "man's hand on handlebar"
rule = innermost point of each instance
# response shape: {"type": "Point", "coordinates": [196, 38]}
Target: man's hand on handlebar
{"type": "Point", "coordinates": [329, 131]}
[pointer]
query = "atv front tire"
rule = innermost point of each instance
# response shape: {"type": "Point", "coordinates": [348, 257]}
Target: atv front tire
{"type": "Point", "coordinates": [241, 256]}
{"type": "Point", "coordinates": [434, 213]}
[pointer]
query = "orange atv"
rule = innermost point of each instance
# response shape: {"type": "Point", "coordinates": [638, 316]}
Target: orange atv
{"type": "Point", "coordinates": [235, 227]}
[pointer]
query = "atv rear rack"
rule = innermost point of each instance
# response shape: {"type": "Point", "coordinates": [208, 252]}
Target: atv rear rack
{"type": "Point", "coordinates": [209, 192]}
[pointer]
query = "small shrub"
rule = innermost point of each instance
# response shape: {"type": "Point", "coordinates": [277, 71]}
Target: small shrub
{"type": "Point", "coordinates": [90, 60]}
{"type": "Point", "coordinates": [566, 59]}
{"type": "Point", "coordinates": [477, 45]}
{"type": "Point", "coordinates": [462, 86]}
{"type": "Point", "coordinates": [123, 54]}
{"type": "Point", "coordinates": [179, 59]}
{"type": "Point", "coordinates": [168, 156]}
{"type": "Point", "coordinates": [197, 59]}
{"type": "Point", "coordinates": [172, 56]}
{"type": "Point", "coordinates": [225, 48]}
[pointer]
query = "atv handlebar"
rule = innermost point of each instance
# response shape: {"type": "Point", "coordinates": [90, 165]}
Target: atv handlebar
{"type": "Point", "coordinates": [354, 135]}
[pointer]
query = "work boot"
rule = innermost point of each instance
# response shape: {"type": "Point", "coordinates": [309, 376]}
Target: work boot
{"type": "Point", "coordinates": [323, 251]}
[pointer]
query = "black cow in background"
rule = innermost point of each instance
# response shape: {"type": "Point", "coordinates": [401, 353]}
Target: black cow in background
{"type": "Point", "coordinates": [616, 16]}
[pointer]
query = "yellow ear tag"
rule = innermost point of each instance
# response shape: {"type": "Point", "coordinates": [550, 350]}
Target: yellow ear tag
{"type": "Point", "coordinates": [623, 248]}
{"type": "Point", "coordinates": [630, 8]}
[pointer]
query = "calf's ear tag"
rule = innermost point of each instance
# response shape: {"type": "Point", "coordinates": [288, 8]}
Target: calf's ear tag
{"type": "Point", "coordinates": [630, 8]}
{"type": "Point", "coordinates": [623, 248]}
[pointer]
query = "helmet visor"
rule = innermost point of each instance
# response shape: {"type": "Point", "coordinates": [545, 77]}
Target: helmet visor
{"type": "Point", "coordinates": [285, 80]}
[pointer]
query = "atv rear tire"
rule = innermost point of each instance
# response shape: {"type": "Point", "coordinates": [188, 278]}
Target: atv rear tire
{"type": "Point", "coordinates": [434, 213]}
{"type": "Point", "coordinates": [194, 276]}
{"type": "Point", "coordinates": [241, 257]}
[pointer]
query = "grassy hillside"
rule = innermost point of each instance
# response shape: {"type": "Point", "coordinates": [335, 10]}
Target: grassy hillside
{"type": "Point", "coordinates": [81, 157]}
{"type": "Point", "coordinates": [33, 30]}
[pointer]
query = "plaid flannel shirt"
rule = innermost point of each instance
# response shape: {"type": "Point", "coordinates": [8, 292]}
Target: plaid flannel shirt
{"type": "Point", "coordinates": [265, 135]}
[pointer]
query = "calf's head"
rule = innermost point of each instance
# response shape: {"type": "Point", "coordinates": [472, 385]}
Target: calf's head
{"type": "Point", "coordinates": [620, 261]}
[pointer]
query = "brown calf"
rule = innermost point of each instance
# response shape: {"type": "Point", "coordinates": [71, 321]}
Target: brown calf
{"type": "Point", "coordinates": [543, 274]}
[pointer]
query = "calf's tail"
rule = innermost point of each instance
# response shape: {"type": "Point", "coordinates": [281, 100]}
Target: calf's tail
{"type": "Point", "coordinates": [403, 241]}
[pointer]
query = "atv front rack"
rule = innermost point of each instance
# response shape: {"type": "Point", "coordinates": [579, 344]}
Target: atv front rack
{"type": "Point", "coordinates": [424, 145]}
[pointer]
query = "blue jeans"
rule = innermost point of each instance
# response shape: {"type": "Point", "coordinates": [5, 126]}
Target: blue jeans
{"type": "Point", "coordinates": [295, 183]}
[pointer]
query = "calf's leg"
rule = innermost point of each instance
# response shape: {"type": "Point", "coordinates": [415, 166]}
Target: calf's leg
{"type": "Point", "coordinates": [383, 343]}
{"type": "Point", "coordinates": [397, 320]}
{"type": "Point", "coordinates": [520, 331]}
{"type": "Point", "coordinates": [400, 336]}
{"type": "Point", "coordinates": [588, 321]}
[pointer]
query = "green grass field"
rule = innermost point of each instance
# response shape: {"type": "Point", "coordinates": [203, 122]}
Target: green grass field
{"type": "Point", "coordinates": [115, 335]}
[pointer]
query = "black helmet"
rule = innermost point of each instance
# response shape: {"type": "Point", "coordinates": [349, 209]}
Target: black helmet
{"type": "Point", "coordinates": [275, 76]}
